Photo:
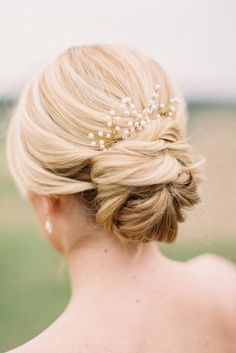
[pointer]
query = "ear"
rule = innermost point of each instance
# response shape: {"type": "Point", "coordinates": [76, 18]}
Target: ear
{"type": "Point", "coordinates": [51, 204]}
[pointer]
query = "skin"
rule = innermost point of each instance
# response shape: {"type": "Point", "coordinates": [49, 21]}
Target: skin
{"type": "Point", "coordinates": [117, 304]}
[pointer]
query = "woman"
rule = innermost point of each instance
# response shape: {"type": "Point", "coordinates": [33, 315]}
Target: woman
{"type": "Point", "coordinates": [98, 146]}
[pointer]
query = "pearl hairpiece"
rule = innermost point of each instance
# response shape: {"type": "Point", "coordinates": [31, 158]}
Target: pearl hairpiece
{"type": "Point", "coordinates": [138, 120]}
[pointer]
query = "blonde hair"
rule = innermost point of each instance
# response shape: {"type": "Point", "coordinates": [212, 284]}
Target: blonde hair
{"type": "Point", "coordinates": [139, 188]}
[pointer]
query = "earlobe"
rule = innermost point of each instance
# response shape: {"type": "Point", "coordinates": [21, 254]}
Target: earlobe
{"type": "Point", "coordinates": [46, 206]}
{"type": "Point", "coordinates": [50, 204]}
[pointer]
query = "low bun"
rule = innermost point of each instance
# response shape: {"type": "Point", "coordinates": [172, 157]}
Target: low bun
{"type": "Point", "coordinates": [139, 187]}
{"type": "Point", "coordinates": [143, 186]}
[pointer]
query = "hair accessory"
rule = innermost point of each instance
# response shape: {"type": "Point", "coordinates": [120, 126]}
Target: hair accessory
{"type": "Point", "coordinates": [137, 120]}
{"type": "Point", "coordinates": [48, 226]}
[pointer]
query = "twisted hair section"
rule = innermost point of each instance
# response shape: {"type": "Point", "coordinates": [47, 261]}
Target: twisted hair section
{"type": "Point", "coordinates": [144, 186]}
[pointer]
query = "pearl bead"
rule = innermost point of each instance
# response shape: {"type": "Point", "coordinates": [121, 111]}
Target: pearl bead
{"type": "Point", "coordinates": [91, 135]}
{"type": "Point", "coordinates": [126, 100]}
{"type": "Point", "coordinates": [155, 95]}
{"type": "Point", "coordinates": [138, 120]}
{"type": "Point", "coordinates": [175, 99]}
{"type": "Point", "coordinates": [143, 123]}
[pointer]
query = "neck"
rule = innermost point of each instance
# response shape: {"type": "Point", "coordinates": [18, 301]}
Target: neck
{"type": "Point", "coordinates": [104, 260]}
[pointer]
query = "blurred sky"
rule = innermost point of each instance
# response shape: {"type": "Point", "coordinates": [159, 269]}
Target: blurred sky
{"type": "Point", "coordinates": [193, 40]}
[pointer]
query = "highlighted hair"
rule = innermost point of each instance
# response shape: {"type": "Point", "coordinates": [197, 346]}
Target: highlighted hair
{"type": "Point", "coordinates": [140, 187]}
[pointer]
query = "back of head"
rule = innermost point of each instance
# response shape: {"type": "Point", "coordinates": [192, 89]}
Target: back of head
{"type": "Point", "coordinates": [101, 121]}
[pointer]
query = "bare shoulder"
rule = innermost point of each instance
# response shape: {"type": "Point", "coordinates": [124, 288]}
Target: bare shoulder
{"type": "Point", "coordinates": [220, 270]}
{"type": "Point", "coordinates": [216, 277]}
{"type": "Point", "coordinates": [210, 274]}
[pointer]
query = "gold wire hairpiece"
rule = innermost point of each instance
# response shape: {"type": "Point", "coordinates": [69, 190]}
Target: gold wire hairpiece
{"type": "Point", "coordinates": [137, 122]}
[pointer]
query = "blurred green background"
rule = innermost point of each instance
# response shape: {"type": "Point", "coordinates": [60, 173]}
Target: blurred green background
{"type": "Point", "coordinates": [34, 285]}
